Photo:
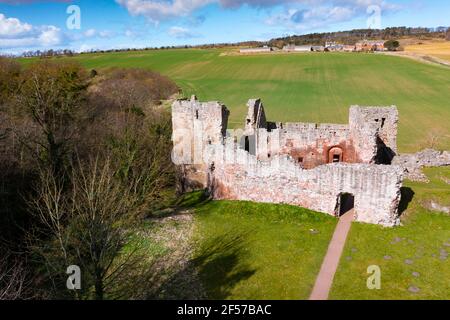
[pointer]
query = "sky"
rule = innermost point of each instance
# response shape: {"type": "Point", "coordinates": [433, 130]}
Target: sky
{"type": "Point", "coordinates": [83, 25]}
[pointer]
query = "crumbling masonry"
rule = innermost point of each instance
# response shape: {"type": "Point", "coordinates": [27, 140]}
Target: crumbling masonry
{"type": "Point", "coordinates": [323, 167]}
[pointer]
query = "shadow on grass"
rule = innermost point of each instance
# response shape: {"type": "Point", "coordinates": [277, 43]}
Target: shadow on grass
{"type": "Point", "coordinates": [213, 273]}
{"type": "Point", "coordinates": [186, 202]}
{"type": "Point", "coordinates": [407, 197]}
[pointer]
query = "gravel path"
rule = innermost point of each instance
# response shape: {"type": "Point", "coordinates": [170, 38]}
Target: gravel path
{"type": "Point", "coordinates": [324, 280]}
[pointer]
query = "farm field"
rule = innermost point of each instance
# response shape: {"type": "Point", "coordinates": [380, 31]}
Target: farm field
{"type": "Point", "coordinates": [436, 48]}
{"type": "Point", "coordinates": [314, 87]}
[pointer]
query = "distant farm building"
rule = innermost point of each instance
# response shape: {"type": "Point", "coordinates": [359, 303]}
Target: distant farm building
{"type": "Point", "coordinates": [334, 47]}
{"type": "Point", "coordinates": [294, 48]}
{"type": "Point", "coordinates": [349, 48]}
{"type": "Point", "coordinates": [331, 44]}
{"type": "Point", "coordinates": [318, 48]}
{"type": "Point", "coordinates": [370, 45]}
{"type": "Point", "coordinates": [256, 50]}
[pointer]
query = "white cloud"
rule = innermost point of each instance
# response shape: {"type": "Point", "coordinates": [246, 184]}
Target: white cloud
{"type": "Point", "coordinates": [312, 18]}
{"type": "Point", "coordinates": [91, 33]}
{"type": "Point", "coordinates": [106, 34]}
{"type": "Point", "coordinates": [309, 12]}
{"type": "Point", "coordinates": [181, 33]}
{"type": "Point", "coordinates": [85, 48]}
{"type": "Point", "coordinates": [16, 34]}
{"type": "Point", "coordinates": [129, 33]}
{"type": "Point", "coordinates": [159, 10]}
{"type": "Point", "coordinates": [49, 36]}
{"type": "Point", "coordinates": [10, 27]}
{"type": "Point", "coordinates": [327, 13]}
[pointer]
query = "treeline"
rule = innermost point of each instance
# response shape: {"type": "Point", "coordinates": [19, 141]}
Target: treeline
{"type": "Point", "coordinates": [84, 158]}
{"type": "Point", "coordinates": [202, 46]}
{"type": "Point", "coordinates": [353, 36]}
{"type": "Point", "coordinates": [69, 53]}
{"type": "Point", "coordinates": [343, 37]}
{"type": "Point", "coordinates": [48, 53]}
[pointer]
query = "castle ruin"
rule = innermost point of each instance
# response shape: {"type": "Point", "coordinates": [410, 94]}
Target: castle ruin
{"type": "Point", "coordinates": [328, 168]}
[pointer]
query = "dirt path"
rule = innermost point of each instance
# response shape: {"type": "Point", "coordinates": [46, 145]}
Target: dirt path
{"type": "Point", "coordinates": [419, 57]}
{"type": "Point", "coordinates": [330, 263]}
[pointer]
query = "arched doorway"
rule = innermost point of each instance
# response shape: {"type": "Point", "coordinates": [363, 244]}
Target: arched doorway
{"type": "Point", "coordinates": [345, 203]}
{"type": "Point", "coordinates": [335, 155]}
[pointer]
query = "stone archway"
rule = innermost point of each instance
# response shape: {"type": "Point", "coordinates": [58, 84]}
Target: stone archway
{"type": "Point", "coordinates": [345, 203]}
{"type": "Point", "coordinates": [335, 155]}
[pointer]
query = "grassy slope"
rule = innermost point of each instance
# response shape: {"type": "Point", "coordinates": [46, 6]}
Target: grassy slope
{"type": "Point", "coordinates": [422, 238]}
{"type": "Point", "coordinates": [307, 87]}
{"type": "Point", "coordinates": [259, 251]}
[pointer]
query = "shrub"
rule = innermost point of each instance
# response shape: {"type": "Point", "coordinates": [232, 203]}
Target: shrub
{"type": "Point", "coordinates": [392, 45]}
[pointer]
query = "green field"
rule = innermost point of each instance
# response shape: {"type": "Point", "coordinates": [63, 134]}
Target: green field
{"type": "Point", "coordinates": [316, 87]}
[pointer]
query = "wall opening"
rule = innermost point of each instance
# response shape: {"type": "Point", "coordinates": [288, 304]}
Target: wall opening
{"type": "Point", "coordinates": [247, 144]}
{"type": "Point", "coordinates": [345, 203]}
{"type": "Point", "coordinates": [385, 155]}
{"type": "Point", "coordinates": [335, 155]}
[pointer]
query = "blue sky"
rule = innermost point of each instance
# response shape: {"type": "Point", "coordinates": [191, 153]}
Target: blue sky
{"type": "Point", "coordinates": [39, 24]}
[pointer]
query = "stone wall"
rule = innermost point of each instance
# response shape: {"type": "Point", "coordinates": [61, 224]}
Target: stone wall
{"type": "Point", "coordinates": [237, 175]}
{"type": "Point", "coordinates": [196, 125]}
{"type": "Point", "coordinates": [413, 163]}
{"type": "Point", "coordinates": [310, 144]}
{"type": "Point", "coordinates": [290, 163]}
{"type": "Point", "coordinates": [373, 131]}
{"type": "Point", "coordinates": [370, 137]}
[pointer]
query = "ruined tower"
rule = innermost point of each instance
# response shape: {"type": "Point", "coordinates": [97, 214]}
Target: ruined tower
{"type": "Point", "coordinates": [196, 125]}
{"type": "Point", "coordinates": [373, 131]}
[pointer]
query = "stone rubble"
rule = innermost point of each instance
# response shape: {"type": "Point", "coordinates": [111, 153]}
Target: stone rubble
{"type": "Point", "coordinates": [413, 163]}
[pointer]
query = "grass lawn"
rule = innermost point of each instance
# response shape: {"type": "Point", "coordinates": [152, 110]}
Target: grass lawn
{"type": "Point", "coordinates": [243, 250]}
{"type": "Point", "coordinates": [259, 251]}
{"type": "Point", "coordinates": [419, 247]}
{"type": "Point", "coordinates": [311, 87]}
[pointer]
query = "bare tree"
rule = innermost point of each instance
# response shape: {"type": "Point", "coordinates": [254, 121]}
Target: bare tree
{"type": "Point", "coordinates": [89, 225]}
{"type": "Point", "coordinates": [13, 284]}
{"type": "Point", "coordinates": [52, 95]}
